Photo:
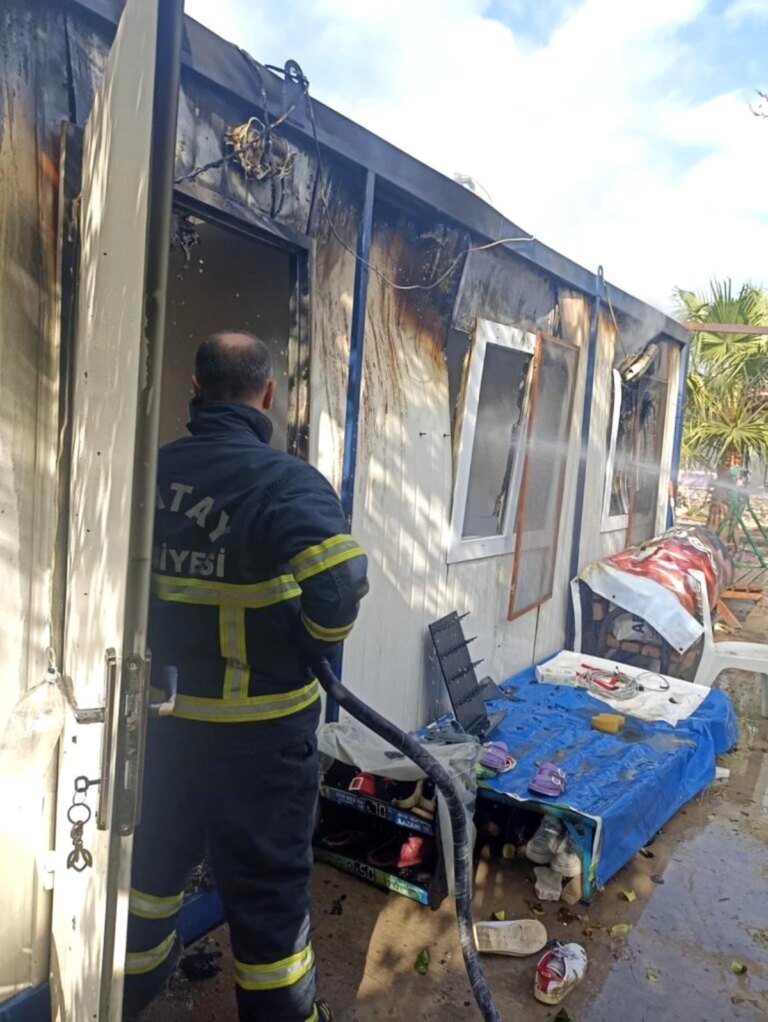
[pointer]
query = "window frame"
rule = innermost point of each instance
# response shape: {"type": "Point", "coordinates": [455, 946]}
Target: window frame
{"type": "Point", "coordinates": [616, 523]}
{"type": "Point", "coordinates": [543, 537]}
{"type": "Point", "coordinates": [460, 548]}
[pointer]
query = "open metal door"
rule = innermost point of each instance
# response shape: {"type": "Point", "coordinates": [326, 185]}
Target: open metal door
{"type": "Point", "coordinates": [127, 175]}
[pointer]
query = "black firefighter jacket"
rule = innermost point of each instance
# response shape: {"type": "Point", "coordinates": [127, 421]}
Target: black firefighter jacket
{"type": "Point", "coordinates": [253, 570]}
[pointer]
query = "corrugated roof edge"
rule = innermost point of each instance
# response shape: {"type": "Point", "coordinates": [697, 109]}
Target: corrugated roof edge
{"type": "Point", "coordinates": [225, 66]}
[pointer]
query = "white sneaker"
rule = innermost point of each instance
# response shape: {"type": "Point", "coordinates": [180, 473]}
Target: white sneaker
{"type": "Point", "coordinates": [546, 841]}
{"type": "Point", "coordinates": [567, 858]}
{"type": "Point", "coordinates": [559, 970]}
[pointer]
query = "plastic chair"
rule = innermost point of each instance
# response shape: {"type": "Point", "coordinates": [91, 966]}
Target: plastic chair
{"type": "Point", "coordinates": [722, 656]}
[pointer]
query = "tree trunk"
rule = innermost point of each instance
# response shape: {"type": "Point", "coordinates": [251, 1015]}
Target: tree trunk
{"type": "Point", "coordinates": [722, 488]}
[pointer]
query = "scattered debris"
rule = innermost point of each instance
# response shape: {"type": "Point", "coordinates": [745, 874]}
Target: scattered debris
{"type": "Point", "coordinates": [760, 936]}
{"type": "Point", "coordinates": [738, 968]}
{"type": "Point", "coordinates": [201, 965]}
{"type": "Point", "coordinates": [499, 916]}
{"type": "Point", "coordinates": [629, 896]}
{"type": "Point", "coordinates": [563, 1016]}
{"type": "Point", "coordinates": [647, 853]}
{"type": "Point", "coordinates": [652, 975]}
{"type": "Point", "coordinates": [566, 916]}
{"type": "Point", "coordinates": [535, 907]}
{"type": "Point", "coordinates": [508, 852]}
{"type": "Point", "coordinates": [421, 965]}
{"type": "Point", "coordinates": [337, 906]}
{"type": "Point", "coordinates": [657, 878]}
{"type": "Point", "coordinates": [722, 773]}
{"type": "Point", "coordinates": [620, 929]}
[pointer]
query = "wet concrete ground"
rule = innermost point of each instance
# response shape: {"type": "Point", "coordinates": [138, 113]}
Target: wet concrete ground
{"type": "Point", "coordinates": [706, 908]}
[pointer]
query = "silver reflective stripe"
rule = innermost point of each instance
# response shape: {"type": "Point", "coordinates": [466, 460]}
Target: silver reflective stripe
{"type": "Point", "coordinates": [254, 708]}
{"type": "Point", "coordinates": [237, 674]}
{"type": "Point", "coordinates": [279, 974]}
{"type": "Point", "coordinates": [140, 962]}
{"type": "Point", "coordinates": [150, 906]}
{"type": "Point", "coordinates": [260, 594]}
{"type": "Point", "coordinates": [323, 556]}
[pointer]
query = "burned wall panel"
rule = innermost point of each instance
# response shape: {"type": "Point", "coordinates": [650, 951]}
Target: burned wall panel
{"type": "Point", "coordinates": [403, 487]}
{"type": "Point", "coordinates": [33, 103]}
{"type": "Point", "coordinates": [334, 224]}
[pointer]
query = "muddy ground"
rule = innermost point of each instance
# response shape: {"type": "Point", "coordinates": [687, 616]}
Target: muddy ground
{"type": "Point", "coordinates": [701, 906]}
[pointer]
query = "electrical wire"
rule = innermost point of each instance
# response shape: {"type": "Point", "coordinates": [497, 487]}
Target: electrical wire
{"type": "Point", "coordinates": [618, 685]}
{"type": "Point", "coordinates": [293, 72]}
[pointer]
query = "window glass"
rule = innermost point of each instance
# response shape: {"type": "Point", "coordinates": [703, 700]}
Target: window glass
{"type": "Point", "coordinates": [496, 441]}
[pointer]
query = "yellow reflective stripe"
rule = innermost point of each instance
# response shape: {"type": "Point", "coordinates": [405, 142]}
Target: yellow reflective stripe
{"type": "Point", "coordinates": [325, 634]}
{"type": "Point", "coordinates": [237, 674]}
{"type": "Point", "coordinates": [150, 906]}
{"type": "Point", "coordinates": [323, 556]}
{"type": "Point", "coordinates": [253, 708]}
{"type": "Point", "coordinates": [204, 592]}
{"type": "Point", "coordinates": [139, 962]}
{"type": "Point", "coordinates": [277, 974]}
{"type": "Point", "coordinates": [314, 1017]}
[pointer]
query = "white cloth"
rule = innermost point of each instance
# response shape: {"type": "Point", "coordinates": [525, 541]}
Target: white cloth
{"type": "Point", "coordinates": [646, 598]}
{"type": "Point", "coordinates": [562, 670]}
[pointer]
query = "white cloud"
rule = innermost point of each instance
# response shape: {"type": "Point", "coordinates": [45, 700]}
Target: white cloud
{"type": "Point", "coordinates": [742, 11]}
{"type": "Point", "coordinates": [591, 141]}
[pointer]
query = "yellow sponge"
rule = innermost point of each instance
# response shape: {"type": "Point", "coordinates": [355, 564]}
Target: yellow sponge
{"type": "Point", "coordinates": [611, 723]}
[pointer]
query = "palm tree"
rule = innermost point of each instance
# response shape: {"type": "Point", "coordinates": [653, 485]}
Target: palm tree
{"type": "Point", "coordinates": [726, 418]}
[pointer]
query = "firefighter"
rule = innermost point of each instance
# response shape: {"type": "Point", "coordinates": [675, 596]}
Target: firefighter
{"type": "Point", "coordinates": [254, 573]}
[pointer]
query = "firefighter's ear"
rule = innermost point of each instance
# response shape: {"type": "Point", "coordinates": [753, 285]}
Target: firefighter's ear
{"type": "Point", "coordinates": [269, 396]}
{"type": "Point", "coordinates": [195, 388]}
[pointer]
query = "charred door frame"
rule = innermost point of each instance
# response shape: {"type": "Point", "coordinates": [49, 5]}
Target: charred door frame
{"type": "Point", "coordinates": [301, 250]}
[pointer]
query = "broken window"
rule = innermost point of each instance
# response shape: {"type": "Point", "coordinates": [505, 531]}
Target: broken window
{"type": "Point", "coordinates": [492, 441]}
{"type": "Point", "coordinates": [636, 436]}
{"type": "Point", "coordinates": [543, 483]}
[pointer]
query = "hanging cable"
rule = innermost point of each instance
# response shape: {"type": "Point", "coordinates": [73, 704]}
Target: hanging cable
{"type": "Point", "coordinates": [293, 73]}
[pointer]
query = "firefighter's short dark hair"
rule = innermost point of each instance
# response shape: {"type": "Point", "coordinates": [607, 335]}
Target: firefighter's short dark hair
{"type": "Point", "coordinates": [232, 365]}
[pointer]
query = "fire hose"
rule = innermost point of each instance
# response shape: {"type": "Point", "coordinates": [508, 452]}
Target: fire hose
{"type": "Point", "coordinates": [445, 784]}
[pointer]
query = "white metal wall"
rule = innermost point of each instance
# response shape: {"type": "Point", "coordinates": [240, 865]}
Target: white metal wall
{"type": "Point", "coordinates": [403, 497]}
{"type": "Point", "coordinates": [34, 101]}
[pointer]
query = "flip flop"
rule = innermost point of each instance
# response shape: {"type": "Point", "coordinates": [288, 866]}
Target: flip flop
{"type": "Point", "coordinates": [548, 780]}
{"type": "Point", "coordinates": [399, 854]}
{"type": "Point", "coordinates": [516, 937]}
{"type": "Point", "coordinates": [363, 784]}
{"type": "Point", "coordinates": [344, 839]}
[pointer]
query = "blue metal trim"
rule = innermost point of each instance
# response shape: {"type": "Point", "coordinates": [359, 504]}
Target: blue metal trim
{"type": "Point", "coordinates": [355, 379]}
{"type": "Point", "coordinates": [356, 346]}
{"type": "Point", "coordinates": [677, 443]}
{"type": "Point", "coordinates": [29, 1006]}
{"type": "Point", "coordinates": [586, 423]}
{"type": "Point", "coordinates": [200, 913]}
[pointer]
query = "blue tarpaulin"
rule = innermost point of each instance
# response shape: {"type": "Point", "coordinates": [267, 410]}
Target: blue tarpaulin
{"type": "Point", "coordinates": [631, 783]}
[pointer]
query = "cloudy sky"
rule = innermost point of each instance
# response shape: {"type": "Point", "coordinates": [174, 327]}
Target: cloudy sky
{"type": "Point", "coordinates": [618, 131]}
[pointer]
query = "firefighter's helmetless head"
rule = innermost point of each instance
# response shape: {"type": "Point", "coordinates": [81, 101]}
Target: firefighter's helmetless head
{"type": "Point", "coordinates": [234, 366]}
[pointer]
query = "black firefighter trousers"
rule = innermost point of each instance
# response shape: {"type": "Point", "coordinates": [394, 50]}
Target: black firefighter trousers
{"type": "Point", "coordinates": [245, 794]}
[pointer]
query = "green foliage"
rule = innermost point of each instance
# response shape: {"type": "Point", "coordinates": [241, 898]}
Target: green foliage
{"type": "Point", "coordinates": [726, 418]}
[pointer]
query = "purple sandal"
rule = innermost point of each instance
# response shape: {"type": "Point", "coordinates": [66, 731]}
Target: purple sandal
{"type": "Point", "coordinates": [548, 780]}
